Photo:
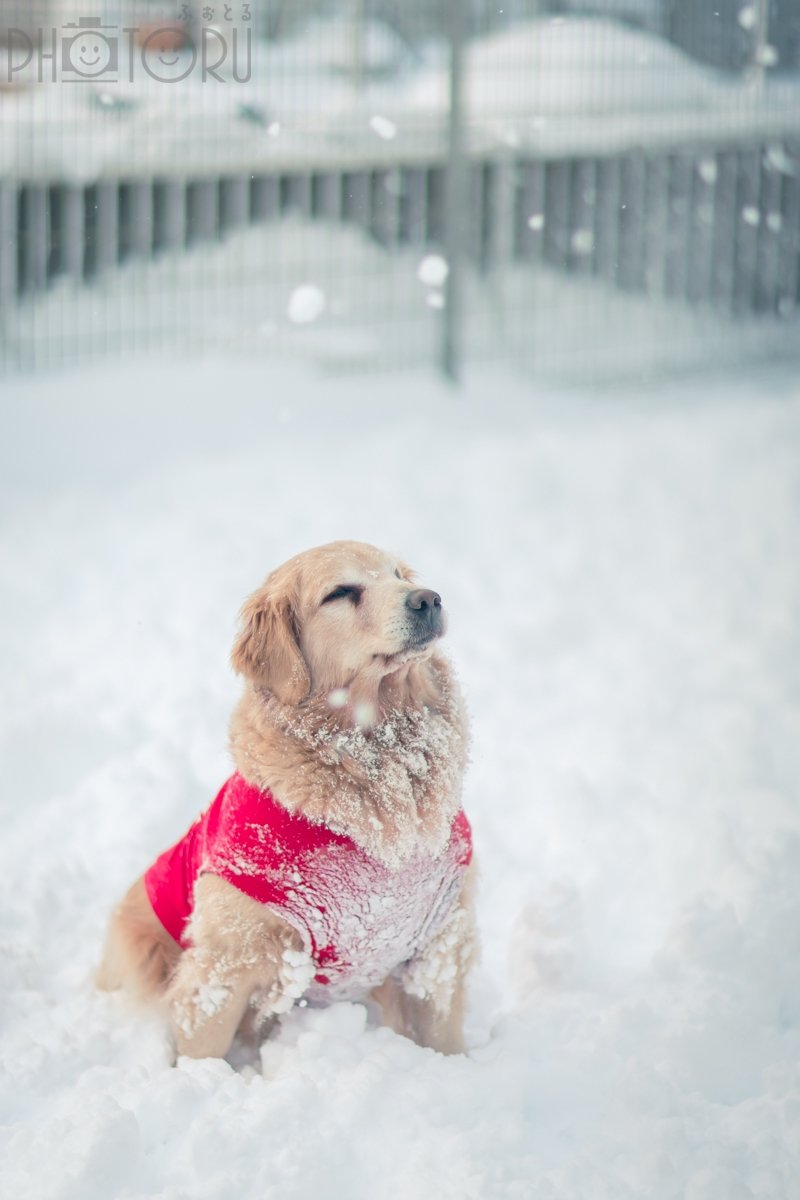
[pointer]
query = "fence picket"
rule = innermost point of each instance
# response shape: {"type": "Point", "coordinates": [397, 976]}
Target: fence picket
{"type": "Point", "coordinates": [9, 203]}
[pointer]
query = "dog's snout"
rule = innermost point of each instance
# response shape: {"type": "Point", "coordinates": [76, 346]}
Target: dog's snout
{"type": "Point", "coordinates": [423, 600]}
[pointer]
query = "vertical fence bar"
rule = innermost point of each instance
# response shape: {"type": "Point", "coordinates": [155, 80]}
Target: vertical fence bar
{"type": "Point", "coordinates": [170, 214]}
{"type": "Point", "coordinates": [136, 219]}
{"type": "Point", "coordinates": [54, 213]}
{"type": "Point", "coordinates": [385, 207]}
{"type": "Point", "coordinates": [583, 234]}
{"type": "Point", "coordinates": [395, 187]}
{"type": "Point", "coordinates": [630, 275]}
{"type": "Point", "coordinates": [90, 205]}
{"type": "Point", "coordinates": [297, 194]}
{"type": "Point", "coordinates": [500, 241]}
{"type": "Point", "coordinates": [9, 201]}
{"type": "Point", "coordinates": [202, 210]}
{"type": "Point", "coordinates": [404, 229]}
{"type": "Point", "coordinates": [143, 217]}
{"type": "Point", "coordinates": [789, 273]}
{"type": "Point", "coordinates": [723, 241]}
{"type": "Point", "coordinates": [557, 214]}
{"type": "Point", "coordinates": [264, 197]}
{"type": "Point", "coordinates": [452, 321]}
{"type": "Point", "coordinates": [748, 214]}
{"type": "Point", "coordinates": [68, 232]}
{"type": "Point", "coordinates": [609, 188]}
{"type": "Point", "coordinates": [474, 218]}
{"type": "Point", "coordinates": [106, 229]}
{"type": "Point", "coordinates": [501, 214]}
{"type": "Point", "coordinates": [234, 203]}
{"type": "Point", "coordinates": [679, 191]}
{"type": "Point", "coordinates": [35, 238]}
{"type": "Point", "coordinates": [769, 242]}
{"type": "Point", "coordinates": [436, 205]}
{"type": "Point", "coordinates": [701, 228]}
{"type": "Point", "coordinates": [481, 217]}
{"type": "Point", "coordinates": [356, 198]}
{"type": "Point", "coordinates": [416, 209]}
{"type": "Point", "coordinates": [530, 212]}
{"type": "Point", "coordinates": [656, 207]}
{"type": "Point", "coordinates": [327, 196]}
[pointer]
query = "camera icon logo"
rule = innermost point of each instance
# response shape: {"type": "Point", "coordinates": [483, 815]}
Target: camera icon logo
{"type": "Point", "coordinates": [86, 51]}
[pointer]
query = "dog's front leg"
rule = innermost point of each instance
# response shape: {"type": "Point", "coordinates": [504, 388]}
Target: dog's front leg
{"type": "Point", "coordinates": [206, 1002]}
{"type": "Point", "coordinates": [425, 999]}
{"type": "Point", "coordinates": [237, 947]}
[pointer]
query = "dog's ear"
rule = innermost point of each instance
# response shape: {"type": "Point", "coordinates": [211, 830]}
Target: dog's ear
{"type": "Point", "coordinates": [267, 649]}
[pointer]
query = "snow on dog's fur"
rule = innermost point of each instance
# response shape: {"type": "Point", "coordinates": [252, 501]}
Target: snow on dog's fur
{"type": "Point", "coordinates": [350, 719]}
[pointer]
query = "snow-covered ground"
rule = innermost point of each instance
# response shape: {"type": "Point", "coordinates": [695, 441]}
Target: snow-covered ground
{"type": "Point", "coordinates": [622, 576]}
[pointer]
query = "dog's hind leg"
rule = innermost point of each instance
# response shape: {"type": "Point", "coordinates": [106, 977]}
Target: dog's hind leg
{"type": "Point", "coordinates": [425, 998]}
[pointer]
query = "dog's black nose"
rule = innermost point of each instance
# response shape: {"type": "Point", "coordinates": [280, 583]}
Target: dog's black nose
{"type": "Point", "coordinates": [423, 600]}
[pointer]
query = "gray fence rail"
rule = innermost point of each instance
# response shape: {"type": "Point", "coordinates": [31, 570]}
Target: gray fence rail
{"type": "Point", "coordinates": [706, 226]}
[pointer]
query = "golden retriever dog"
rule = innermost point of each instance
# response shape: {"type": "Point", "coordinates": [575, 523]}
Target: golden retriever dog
{"type": "Point", "coordinates": [335, 863]}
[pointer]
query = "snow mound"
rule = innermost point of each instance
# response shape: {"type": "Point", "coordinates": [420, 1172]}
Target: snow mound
{"type": "Point", "coordinates": [573, 65]}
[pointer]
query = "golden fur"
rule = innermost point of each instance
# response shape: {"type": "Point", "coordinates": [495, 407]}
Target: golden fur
{"type": "Point", "coordinates": [350, 720]}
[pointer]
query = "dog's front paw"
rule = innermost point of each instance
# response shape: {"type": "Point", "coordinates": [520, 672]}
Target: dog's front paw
{"type": "Point", "coordinates": [293, 978]}
{"type": "Point", "coordinates": [191, 1011]}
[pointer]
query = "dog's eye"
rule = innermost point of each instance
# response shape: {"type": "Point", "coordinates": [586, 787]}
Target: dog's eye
{"type": "Point", "coordinates": [397, 573]}
{"type": "Point", "coordinates": [350, 590]}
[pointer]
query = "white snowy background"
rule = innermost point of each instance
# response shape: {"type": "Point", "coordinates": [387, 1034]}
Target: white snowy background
{"type": "Point", "coordinates": [621, 572]}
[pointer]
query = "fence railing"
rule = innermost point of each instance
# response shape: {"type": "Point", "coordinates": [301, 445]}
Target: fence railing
{"type": "Point", "coordinates": [718, 226]}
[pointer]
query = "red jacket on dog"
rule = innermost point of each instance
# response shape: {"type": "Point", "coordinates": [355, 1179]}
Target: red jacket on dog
{"type": "Point", "coordinates": [358, 917]}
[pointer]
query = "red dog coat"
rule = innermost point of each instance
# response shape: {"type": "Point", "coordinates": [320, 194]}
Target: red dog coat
{"type": "Point", "coordinates": [358, 917]}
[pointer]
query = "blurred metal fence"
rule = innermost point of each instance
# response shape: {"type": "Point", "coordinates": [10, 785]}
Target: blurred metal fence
{"type": "Point", "coordinates": [590, 165]}
{"type": "Point", "coordinates": [703, 224]}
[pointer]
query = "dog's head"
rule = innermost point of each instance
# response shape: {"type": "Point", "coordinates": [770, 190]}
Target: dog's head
{"type": "Point", "coordinates": [332, 617]}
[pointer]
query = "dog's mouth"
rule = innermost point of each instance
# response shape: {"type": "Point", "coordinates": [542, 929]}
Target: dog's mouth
{"type": "Point", "coordinates": [414, 650]}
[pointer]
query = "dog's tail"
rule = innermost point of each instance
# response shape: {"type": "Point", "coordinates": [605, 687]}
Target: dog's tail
{"type": "Point", "coordinates": [139, 955]}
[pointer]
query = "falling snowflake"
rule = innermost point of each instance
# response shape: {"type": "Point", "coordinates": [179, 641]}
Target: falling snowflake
{"type": "Point", "coordinates": [433, 270]}
{"type": "Point", "coordinates": [306, 303]}
{"type": "Point", "coordinates": [365, 715]}
{"type": "Point", "coordinates": [776, 159]}
{"type": "Point", "coordinates": [384, 128]}
{"type": "Point", "coordinates": [582, 241]}
{"type": "Point", "coordinates": [707, 169]}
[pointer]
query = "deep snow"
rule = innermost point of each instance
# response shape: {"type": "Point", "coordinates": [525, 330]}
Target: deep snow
{"type": "Point", "coordinates": [622, 576]}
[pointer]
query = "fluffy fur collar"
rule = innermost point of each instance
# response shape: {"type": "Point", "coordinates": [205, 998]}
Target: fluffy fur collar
{"type": "Point", "coordinates": [393, 788]}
